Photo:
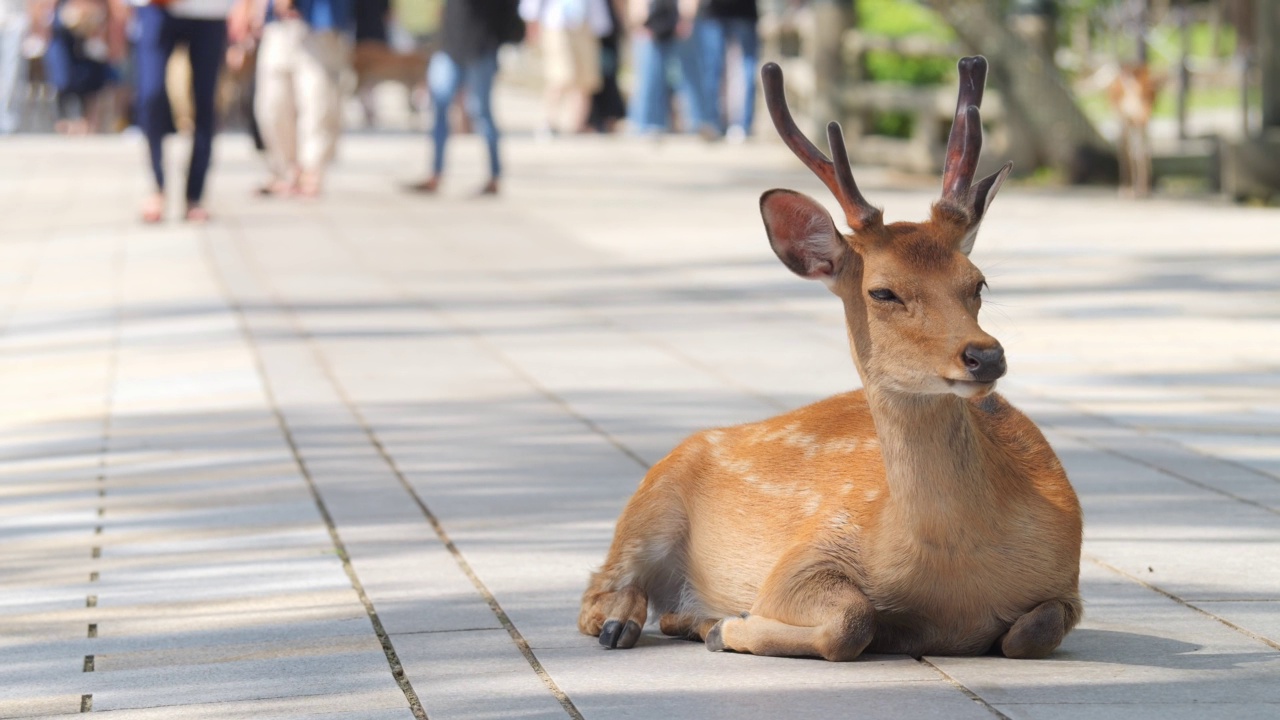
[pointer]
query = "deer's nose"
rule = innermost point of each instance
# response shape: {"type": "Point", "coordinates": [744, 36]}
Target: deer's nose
{"type": "Point", "coordinates": [984, 364]}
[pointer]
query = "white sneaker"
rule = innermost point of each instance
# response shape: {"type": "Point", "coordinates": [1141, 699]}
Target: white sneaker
{"type": "Point", "coordinates": [735, 134]}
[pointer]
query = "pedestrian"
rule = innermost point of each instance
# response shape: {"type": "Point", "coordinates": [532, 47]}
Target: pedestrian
{"type": "Point", "coordinates": [14, 21]}
{"type": "Point", "coordinates": [722, 23]}
{"type": "Point", "coordinates": [200, 25]}
{"type": "Point", "coordinates": [663, 43]}
{"type": "Point", "coordinates": [304, 49]}
{"type": "Point", "coordinates": [607, 104]}
{"type": "Point", "coordinates": [569, 33]}
{"type": "Point", "coordinates": [472, 31]}
{"type": "Point", "coordinates": [76, 60]}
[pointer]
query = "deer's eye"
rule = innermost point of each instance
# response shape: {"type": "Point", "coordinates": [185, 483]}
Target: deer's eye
{"type": "Point", "coordinates": [884, 295]}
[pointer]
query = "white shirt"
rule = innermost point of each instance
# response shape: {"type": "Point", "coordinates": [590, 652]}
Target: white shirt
{"type": "Point", "coordinates": [567, 14]}
{"type": "Point", "coordinates": [195, 9]}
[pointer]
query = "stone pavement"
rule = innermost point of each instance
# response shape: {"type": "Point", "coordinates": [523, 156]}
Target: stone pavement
{"type": "Point", "coordinates": [355, 458]}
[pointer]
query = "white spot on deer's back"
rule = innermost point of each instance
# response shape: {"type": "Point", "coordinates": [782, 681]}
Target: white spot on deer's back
{"type": "Point", "coordinates": [813, 502]}
{"type": "Point", "coordinates": [838, 521]}
{"type": "Point", "coordinates": [843, 446]}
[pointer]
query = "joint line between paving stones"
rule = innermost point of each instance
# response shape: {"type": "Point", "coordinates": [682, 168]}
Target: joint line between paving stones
{"type": "Point", "coordinates": [516, 636]}
{"type": "Point", "coordinates": [1171, 473]}
{"type": "Point", "coordinates": [1087, 440]}
{"type": "Point", "coordinates": [388, 649]}
{"type": "Point", "coordinates": [1161, 591]}
{"type": "Point", "coordinates": [975, 697]}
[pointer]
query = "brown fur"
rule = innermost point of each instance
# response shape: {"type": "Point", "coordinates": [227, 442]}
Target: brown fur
{"type": "Point", "coordinates": [375, 62]}
{"type": "Point", "coordinates": [922, 515]}
{"type": "Point", "coordinates": [1133, 95]}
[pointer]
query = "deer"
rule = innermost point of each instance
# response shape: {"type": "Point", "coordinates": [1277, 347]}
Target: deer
{"type": "Point", "coordinates": [920, 515]}
{"type": "Point", "coordinates": [1133, 95]}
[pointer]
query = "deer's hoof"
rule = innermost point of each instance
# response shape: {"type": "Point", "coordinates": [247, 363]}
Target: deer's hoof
{"type": "Point", "coordinates": [715, 637]}
{"type": "Point", "coordinates": [617, 635]}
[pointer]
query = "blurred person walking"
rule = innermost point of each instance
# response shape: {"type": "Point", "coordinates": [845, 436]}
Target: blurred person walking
{"type": "Point", "coordinates": [662, 39]}
{"type": "Point", "coordinates": [720, 23]}
{"type": "Point", "coordinates": [569, 33]}
{"type": "Point", "coordinates": [14, 22]}
{"type": "Point", "coordinates": [304, 49]}
{"type": "Point", "coordinates": [607, 104]}
{"type": "Point", "coordinates": [200, 25]}
{"type": "Point", "coordinates": [82, 36]}
{"type": "Point", "coordinates": [471, 33]}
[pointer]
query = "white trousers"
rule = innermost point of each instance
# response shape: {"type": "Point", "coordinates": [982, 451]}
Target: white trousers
{"type": "Point", "coordinates": [298, 105]}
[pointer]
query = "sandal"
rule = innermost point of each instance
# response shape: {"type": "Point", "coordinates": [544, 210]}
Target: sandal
{"type": "Point", "coordinates": [153, 210]}
{"type": "Point", "coordinates": [196, 214]}
{"type": "Point", "coordinates": [308, 185]}
{"type": "Point", "coordinates": [275, 188]}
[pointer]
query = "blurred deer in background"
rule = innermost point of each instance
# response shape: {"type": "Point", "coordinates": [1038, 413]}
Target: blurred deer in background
{"type": "Point", "coordinates": [1133, 95]}
{"type": "Point", "coordinates": [920, 515]}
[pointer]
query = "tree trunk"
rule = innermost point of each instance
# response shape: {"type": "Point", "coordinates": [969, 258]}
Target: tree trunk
{"type": "Point", "coordinates": [1042, 110]}
{"type": "Point", "coordinates": [1268, 27]}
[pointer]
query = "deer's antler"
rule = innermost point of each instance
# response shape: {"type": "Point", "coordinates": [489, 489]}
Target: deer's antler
{"type": "Point", "coordinates": [964, 145]}
{"type": "Point", "coordinates": [837, 175]}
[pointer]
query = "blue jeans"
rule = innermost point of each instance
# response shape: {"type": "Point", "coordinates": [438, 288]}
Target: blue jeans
{"type": "Point", "coordinates": [444, 78]}
{"type": "Point", "coordinates": [713, 36]}
{"type": "Point", "coordinates": [657, 64]}
{"type": "Point", "coordinates": [206, 40]}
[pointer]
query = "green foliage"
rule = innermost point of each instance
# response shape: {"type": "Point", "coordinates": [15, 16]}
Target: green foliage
{"type": "Point", "coordinates": [893, 123]}
{"type": "Point", "coordinates": [902, 18]}
{"type": "Point", "coordinates": [891, 67]}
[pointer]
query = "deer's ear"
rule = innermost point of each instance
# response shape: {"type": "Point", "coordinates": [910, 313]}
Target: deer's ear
{"type": "Point", "coordinates": [984, 191]}
{"type": "Point", "coordinates": [802, 234]}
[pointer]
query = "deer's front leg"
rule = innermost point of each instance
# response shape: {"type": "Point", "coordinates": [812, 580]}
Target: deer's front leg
{"type": "Point", "coordinates": [804, 609]}
{"type": "Point", "coordinates": [1040, 631]}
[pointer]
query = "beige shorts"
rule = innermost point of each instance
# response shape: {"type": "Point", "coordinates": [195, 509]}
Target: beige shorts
{"type": "Point", "coordinates": [571, 59]}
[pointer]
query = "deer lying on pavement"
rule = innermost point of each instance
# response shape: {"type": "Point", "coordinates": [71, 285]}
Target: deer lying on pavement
{"type": "Point", "coordinates": [920, 515]}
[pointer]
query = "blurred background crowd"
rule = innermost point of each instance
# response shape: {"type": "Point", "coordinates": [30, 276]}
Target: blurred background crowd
{"type": "Point", "coordinates": [1173, 94]}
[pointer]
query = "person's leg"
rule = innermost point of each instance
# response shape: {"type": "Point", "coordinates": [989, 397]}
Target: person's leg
{"type": "Point", "coordinates": [587, 77]}
{"type": "Point", "coordinates": [709, 37]}
{"type": "Point", "coordinates": [638, 109]}
{"type": "Point", "coordinates": [557, 76]}
{"type": "Point", "coordinates": [207, 42]}
{"type": "Point", "coordinates": [12, 66]}
{"type": "Point", "coordinates": [747, 36]}
{"type": "Point", "coordinates": [444, 77]}
{"type": "Point", "coordinates": [320, 65]}
{"type": "Point", "coordinates": [273, 103]}
{"type": "Point", "coordinates": [664, 93]}
{"type": "Point", "coordinates": [479, 76]}
{"type": "Point", "coordinates": [155, 42]}
{"type": "Point", "coordinates": [691, 87]}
